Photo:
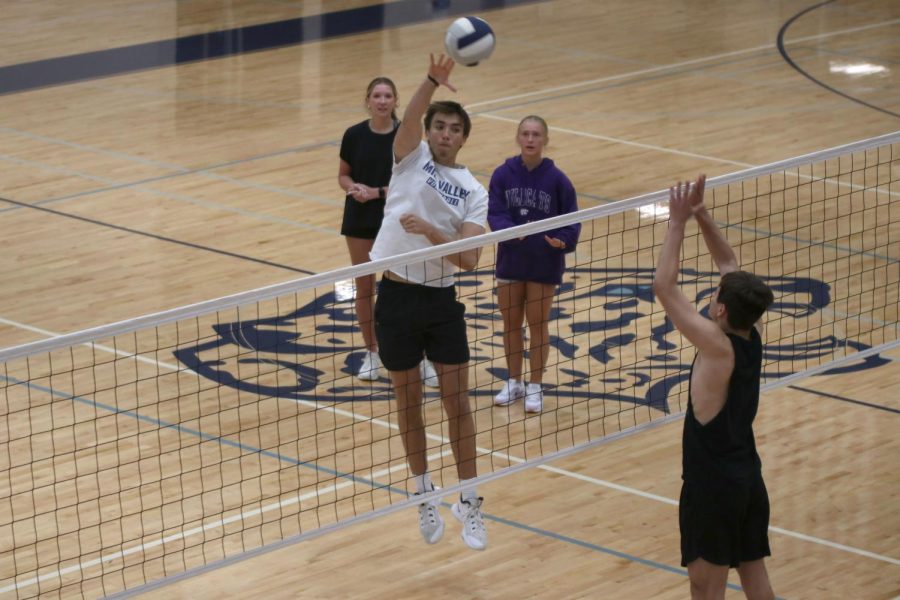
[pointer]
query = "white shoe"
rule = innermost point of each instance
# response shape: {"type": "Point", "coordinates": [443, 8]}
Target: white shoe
{"type": "Point", "coordinates": [431, 525]}
{"type": "Point", "coordinates": [370, 369]}
{"type": "Point", "coordinates": [429, 376]}
{"type": "Point", "coordinates": [511, 391]}
{"type": "Point", "coordinates": [534, 398]}
{"type": "Point", "coordinates": [473, 532]}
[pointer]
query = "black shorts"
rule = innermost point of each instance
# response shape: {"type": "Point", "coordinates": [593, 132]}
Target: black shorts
{"type": "Point", "coordinates": [412, 320]}
{"type": "Point", "coordinates": [362, 219]}
{"type": "Point", "coordinates": [724, 523]}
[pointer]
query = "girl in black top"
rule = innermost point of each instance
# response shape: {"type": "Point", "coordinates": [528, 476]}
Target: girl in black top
{"type": "Point", "coordinates": [364, 173]}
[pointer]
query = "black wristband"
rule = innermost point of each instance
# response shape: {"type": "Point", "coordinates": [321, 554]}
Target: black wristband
{"type": "Point", "coordinates": [434, 81]}
{"type": "Point", "coordinates": [381, 193]}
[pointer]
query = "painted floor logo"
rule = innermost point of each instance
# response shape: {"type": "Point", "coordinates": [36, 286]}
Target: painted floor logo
{"type": "Point", "coordinates": [610, 341]}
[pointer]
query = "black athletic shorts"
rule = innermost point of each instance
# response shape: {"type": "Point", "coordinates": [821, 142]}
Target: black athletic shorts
{"type": "Point", "coordinates": [412, 320]}
{"type": "Point", "coordinates": [362, 219]}
{"type": "Point", "coordinates": [724, 523]}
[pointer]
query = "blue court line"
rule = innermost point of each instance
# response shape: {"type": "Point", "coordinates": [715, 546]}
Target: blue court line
{"type": "Point", "coordinates": [851, 54]}
{"type": "Point", "coordinates": [237, 41]}
{"type": "Point", "coordinates": [138, 188]}
{"type": "Point", "coordinates": [157, 237]}
{"type": "Point", "coordinates": [602, 87]}
{"type": "Point", "coordinates": [845, 399]}
{"type": "Point", "coordinates": [570, 540]}
{"type": "Point", "coordinates": [810, 243]}
{"type": "Point", "coordinates": [348, 476]}
{"type": "Point", "coordinates": [182, 170]}
{"type": "Point", "coordinates": [784, 54]}
{"type": "Point", "coordinates": [180, 173]}
{"type": "Point", "coordinates": [133, 158]}
{"type": "Point", "coordinates": [204, 436]}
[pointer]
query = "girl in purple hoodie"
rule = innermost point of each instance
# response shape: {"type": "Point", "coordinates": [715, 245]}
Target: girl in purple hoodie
{"type": "Point", "coordinates": [529, 188]}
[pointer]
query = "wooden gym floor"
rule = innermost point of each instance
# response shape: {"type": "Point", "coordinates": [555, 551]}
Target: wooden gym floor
{"type": "Point", "coordinates": [155, 188]}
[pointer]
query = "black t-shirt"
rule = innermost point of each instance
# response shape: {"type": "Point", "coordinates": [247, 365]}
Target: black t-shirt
{"type": "Point", "coordinates": [369, 154]}
{"type": "Point", "coordinates": [725, 446]}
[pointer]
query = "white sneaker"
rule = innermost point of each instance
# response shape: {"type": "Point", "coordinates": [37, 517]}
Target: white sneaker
{"type": "Point", "coordinates": [431, 525]}
{"type": "Point", "coordinates": [534, 398]}
{"type": "Point", "coordinates": [429, 376]}
{"type": "Point", "coordinates": [511, 391]}
{"type": "Point", "coordinates": [370, 369]}
{"type": "Point", "coordinates": [473, 532]}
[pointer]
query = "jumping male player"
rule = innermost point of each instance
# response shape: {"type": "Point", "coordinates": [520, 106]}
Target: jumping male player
{"type": "Point", "coordinates": [432, 200]}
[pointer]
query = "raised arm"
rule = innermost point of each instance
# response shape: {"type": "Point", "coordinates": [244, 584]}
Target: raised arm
{"type": "Point", "coordinates": [721, 251]}
{"type": "Point", "coordinates": [702, 333]}
{"type": "Point", "coordinates": [409, 134]}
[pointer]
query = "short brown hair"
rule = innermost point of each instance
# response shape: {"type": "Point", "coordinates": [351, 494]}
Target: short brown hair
{"type": "Point", "coordinates": [746, 298]}
{"type": "Point", "coordinates": [446, 107]}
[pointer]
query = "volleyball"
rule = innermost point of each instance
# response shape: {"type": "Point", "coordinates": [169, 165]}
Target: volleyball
{"type": "Point", "coordinates": [469, 41]}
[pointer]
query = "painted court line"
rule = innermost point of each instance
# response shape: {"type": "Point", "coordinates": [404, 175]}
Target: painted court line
{"type": "Point", "coordinates": [442, 440]}
{"type": "Point", "coordinates": [143, 188]}
{"type": "Point", "coordinates": [79, 567]}
{"type": "Point", "coordinates": [181, 170]}
{"type": "Point", "coordinates": [219, 523]}
{"type": "Point", "coordinates": [92, 345]}
{"type": "Point", "coordinates": [595, 481]}
{"type": "Point", "coordinates": [678, 65]}
{"type": "Point", "coordinates": [664, 150]}
{"type": "Point", "coordinates": [606, 138]}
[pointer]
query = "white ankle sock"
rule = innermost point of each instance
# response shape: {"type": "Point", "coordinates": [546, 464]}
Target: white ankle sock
{"type": "Point", "coordinates": [423, 483]}
{"type": "Point", "coordinates": [468, 494]}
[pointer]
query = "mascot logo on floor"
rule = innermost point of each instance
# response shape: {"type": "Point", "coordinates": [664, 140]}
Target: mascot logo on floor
{"type": "Point", "coordinates": [598, 326]}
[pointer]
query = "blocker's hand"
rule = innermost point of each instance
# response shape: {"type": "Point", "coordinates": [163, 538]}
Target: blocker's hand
{"type": "Point", "coordinates": [695, 198]}
{"type": "Point", "coordinates": [685, 198]}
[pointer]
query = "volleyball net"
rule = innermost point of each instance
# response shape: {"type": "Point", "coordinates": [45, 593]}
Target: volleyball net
{"type": "Point", "coordinates": [144, 450]}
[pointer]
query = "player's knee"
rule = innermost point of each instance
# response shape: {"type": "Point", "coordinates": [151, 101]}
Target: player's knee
{"type": "Point", "coordinates": [703, 589]}
{"type": "Point", "coordinates": [755, 581]}
{"type": "Point", "coordinates": [457, 405]}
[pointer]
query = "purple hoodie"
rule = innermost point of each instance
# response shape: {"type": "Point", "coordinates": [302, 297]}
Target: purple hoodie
{"type": "Point", "coordinates": [519, 196]}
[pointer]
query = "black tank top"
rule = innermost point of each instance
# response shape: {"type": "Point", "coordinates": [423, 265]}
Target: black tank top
{"type": "Point", "coordinates": [725, 446]}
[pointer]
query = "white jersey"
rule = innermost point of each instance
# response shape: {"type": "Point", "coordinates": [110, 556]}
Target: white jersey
{"type": "Point", "coordinates": [444, 196]}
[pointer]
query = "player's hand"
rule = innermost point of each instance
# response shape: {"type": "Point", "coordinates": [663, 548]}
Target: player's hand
{"type": "Point", "coordinates": [555, 242]}
{"type": "Point", "coordinates": [440, 70]}
{"type": "Point", "coordinates": [695, 198]}
{"type": "Point", "coordinates": [415, 224]}
{"type": "Point", "coordinates": [680, 209]}
{"type": "Point", "coordinates": [361, 192]}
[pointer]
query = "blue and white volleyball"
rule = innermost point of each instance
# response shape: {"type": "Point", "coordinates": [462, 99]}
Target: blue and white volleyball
{"type": "Point", "coordinates": [469, 41]}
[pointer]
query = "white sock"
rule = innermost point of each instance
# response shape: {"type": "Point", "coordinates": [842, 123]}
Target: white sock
{"type": "Point", "coordinates": [469, 494]}
{"type": "Point", "coordinates": [423, 483]}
